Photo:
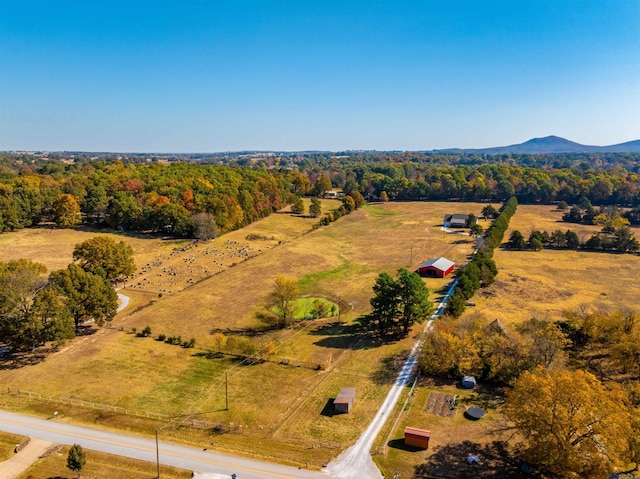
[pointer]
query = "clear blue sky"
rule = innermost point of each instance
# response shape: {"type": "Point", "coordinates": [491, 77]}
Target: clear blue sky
{"type": "Point", "coordinates": [193, 76]}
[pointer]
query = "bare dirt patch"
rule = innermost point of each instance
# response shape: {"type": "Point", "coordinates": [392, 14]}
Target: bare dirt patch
{"type": "Point", "coordinates": [441, 404]}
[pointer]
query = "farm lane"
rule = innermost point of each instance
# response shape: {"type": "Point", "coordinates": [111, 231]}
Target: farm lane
{"type": "Point", "coordinates": [124, 302]}
{"type": "Point", "coordinates": [356, 462]}
{"type": "Point", "coordinates": [185, 457]}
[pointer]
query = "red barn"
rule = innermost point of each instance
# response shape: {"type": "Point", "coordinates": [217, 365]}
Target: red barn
{"type": "Point", "coordinates": [438, 267]}
{"type": "Point", "coordinates": [416, 437]}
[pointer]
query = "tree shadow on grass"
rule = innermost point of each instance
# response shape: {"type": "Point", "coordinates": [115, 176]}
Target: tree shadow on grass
{"type": "Point", "coordinates": [344, 336]}
{"type": "Point", "coordinates": [390, 367]}
{"type": "Point", "coordinates": [497, 459]}
{"type": "Point", "coordinates": [17, 360]}
{"type": "Point", "coordinates": [399, 444]}
{"type": "Point", "coordinates": [251, 332]}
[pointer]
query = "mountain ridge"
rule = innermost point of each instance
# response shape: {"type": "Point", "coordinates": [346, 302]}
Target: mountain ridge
{"type": "Point", "coordinates": [549, 144]}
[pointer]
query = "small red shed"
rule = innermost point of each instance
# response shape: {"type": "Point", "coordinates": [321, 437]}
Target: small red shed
{"type": "Point", "coordinates": [344, 401]}
{"type": "Point", "coordinates": [438, 267]}
{"type": "Point", "coordinates": [416, 437]}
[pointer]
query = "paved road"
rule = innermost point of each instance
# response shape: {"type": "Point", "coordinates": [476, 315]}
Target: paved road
{"type": "Point", "coordinates": [218, 465]}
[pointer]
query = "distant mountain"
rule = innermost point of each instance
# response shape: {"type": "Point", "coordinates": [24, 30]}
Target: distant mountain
{"type": "Point", "coordinates": [551, 144]}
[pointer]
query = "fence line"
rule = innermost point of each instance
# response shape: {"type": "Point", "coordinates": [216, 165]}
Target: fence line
{"type": "Point", "coordinates": [190, 422]}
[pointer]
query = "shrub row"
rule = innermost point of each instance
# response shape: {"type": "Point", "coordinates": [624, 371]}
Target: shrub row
{"type": "Point", "coordinates": [481, 270]}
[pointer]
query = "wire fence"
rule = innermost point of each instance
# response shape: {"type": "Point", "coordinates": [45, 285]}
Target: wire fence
{"type": "Point", "coordinates": [187, 421]}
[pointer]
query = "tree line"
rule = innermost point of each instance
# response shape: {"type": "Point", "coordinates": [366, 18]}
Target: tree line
{"type": "Point", "coordinates": [481, 271]}
{"type": "Point", "coordinates": [196, 200]}
{"type": "Point", "coordinates": [179, 199]}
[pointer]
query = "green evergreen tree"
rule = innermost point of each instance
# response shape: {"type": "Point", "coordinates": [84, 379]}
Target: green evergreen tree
{"type": "Point", "coordinates": [76, 459]}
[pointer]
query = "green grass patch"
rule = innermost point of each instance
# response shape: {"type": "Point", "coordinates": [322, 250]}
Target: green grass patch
{"type": "Point", "coordinates": [311, 308]}
{"type": "Point", "coordinates": [377, 210]}
{"type": "Point", "coordinates": [311, 281]}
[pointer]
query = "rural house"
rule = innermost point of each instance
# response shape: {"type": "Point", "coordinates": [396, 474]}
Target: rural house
{"type": "Point", "coordinates": [437, 267]}
{"type": "Point", "coordinates": [344, 401]}
{"type": "Point", "coordinates": [455, 221]}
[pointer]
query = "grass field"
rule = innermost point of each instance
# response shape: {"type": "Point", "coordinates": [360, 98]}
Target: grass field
{"type": "Point", "coordinates": [8, 444]}
{"type": "Point", "coordinates": [276, 404]}
{"type": "Point", "coordinates": [100, 466]}
{"type": "Point", "coordinates": [548, 282]}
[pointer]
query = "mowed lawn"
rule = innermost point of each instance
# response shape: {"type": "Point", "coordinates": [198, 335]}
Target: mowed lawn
{"type": "Point", "coordinates": [273, 402]}
{"type": "Point", "coordinates": [549, 282]}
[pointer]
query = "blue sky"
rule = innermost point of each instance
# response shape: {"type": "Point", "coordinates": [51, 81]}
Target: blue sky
{"type": "Point", "coordinates": [194, 76]}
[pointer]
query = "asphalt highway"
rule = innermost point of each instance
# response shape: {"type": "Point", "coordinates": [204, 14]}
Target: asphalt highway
{"type": "Point", "coordinates": [216, 465]}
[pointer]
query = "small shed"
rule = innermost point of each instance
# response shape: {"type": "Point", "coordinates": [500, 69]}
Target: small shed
{"type": "Point", "coordinates": [344, 401]}
{"type": "Point", "coordinates": [438, 267]}
{"type": "Point", "coordinates": [416, 437]}
{"type": "Point", "coordinates": [469, 382]}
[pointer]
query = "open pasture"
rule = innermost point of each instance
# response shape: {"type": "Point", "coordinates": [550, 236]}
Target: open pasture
{"type": "Point", "coordinates": [548, 282]}
{"type": "Point", "coordinates": [274, 402]}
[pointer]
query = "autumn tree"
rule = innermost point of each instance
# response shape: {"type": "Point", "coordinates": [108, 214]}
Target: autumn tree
{"type": "Point", "coordinates": [87, 295]}
{"type": "Point", "coordinates": [103, 256]}
{"type": "Point", "coordinates": [220, 340]}
{"type": "Point", "coordinates": [205, 226]}
{"type": "Point", "coordinates": [357, 198]}
{"type": "Point", "coordinates": [315, 209]}
{"type": "Point", "coordinates": [384, 197]}
{"type": "Point", "coordinates": [297, 206]}
{"type": "Point", "coordinates": [76, 459]}
{"type": "Point", "coordinates": [323, 184]}
{"type": "Point", "coordinates": [66, 211]}
{"type": "Point", "coordinates": [574, 426]}
{"type": "Point", "coordinates": [282, 300]}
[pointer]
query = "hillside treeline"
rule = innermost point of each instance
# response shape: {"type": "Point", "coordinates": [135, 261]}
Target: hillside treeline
{"type": "Point", "coordinates": [176, 199]}
{"type": "Point", "coordinates": [184, 198]}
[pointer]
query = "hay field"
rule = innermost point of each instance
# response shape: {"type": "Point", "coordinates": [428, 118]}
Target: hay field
{"type": "Point", "coordinates": [548, 282]}
{"type": "Point", "coordinates": [53, 247]}
{"type": "Point", "coordinates": [276, 404]}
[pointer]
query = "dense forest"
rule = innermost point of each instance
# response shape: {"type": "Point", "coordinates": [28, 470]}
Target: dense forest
{"type": "Point", "coordinates": [203, 196]}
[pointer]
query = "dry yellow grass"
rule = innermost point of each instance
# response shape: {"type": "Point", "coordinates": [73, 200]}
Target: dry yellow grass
{"type": "Point", "coordinates": [100, 466]}
{"type": "Point", "coordinates": [274, 402]}
{"type": "Point", "coordinates": [546, 283]}
{"type": "Point", "coordinates": [53, 247]}
{"type": "Point", "coordinates": [8, 444]}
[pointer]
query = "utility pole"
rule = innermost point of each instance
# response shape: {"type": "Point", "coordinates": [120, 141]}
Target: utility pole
{"type": "Point", "coordinates": [157, 454]}
{"type": "Point", "coordinates": [226, 389]}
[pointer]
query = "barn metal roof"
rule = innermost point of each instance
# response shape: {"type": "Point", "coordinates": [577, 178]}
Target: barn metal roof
{"type": "Point", "coordinates": [414, 431]}
{"type": "Point", "coordinates": [441, 263]}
